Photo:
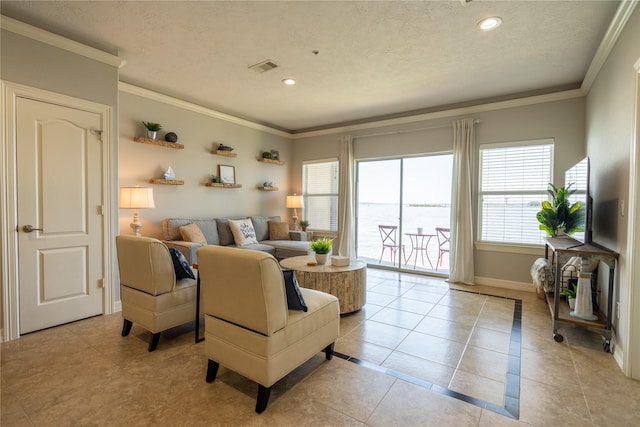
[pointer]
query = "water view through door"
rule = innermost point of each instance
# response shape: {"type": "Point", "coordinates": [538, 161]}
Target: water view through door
{"type": "Point", "coordinates": [401, 202]}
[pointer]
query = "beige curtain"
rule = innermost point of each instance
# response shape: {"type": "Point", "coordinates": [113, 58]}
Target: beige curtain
{"type": "Point", "coordinates": [346, 196]}
{"type": "Point", "coordinates": [461, 255]}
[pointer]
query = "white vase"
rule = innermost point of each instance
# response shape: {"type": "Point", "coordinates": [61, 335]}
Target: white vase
{"type": "Point", "coordinates": [572, 303]}
{"type": "Point", "coordinates": [321, 259]}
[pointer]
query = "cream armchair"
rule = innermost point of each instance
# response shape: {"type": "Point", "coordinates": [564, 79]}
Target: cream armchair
{"type": "Point", "coordinates": [151, 296]}
{"type": "Point", "coordinates": [248, 326]}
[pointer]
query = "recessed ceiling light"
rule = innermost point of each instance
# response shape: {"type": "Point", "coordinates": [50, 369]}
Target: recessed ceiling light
{"type": "Point", "coordinates": [489, 24]}
{"type": "Point", "coordinates": [289, 82]}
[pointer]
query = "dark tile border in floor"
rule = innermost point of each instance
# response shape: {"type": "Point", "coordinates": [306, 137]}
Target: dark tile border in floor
{"type": "Point", "coordinates": [511, 406]}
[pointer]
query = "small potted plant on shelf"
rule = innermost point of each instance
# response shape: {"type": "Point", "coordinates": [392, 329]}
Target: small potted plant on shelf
{"type": "Point", "coordinates": [304, 224]}
{"type": "Point", "coordinates": [152, 129]}
{"type": "Point", "coordinates": [322, 248]}
{"type": "Point", "coordinates": [570, 294]}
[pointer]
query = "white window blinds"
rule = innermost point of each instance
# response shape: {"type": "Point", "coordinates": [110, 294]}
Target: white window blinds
{"type": "Point", "coordinates": [320, 190]}
{"type": "Point", "coordinates": [513, 181]}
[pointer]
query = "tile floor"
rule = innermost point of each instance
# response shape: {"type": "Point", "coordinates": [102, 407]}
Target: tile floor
{"type": "Point", "coordinates": [428, 355]}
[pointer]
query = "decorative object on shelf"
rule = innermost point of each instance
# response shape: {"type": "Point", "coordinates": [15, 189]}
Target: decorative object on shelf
{"type": "Point", "coordinates": [215, 178]}
{"type": "Point", "coordinates": [275, 155]}
{"type": "Point", "coordinates": [559, 215]}
{"type": "Point", "coordinates": [227, 174]}
{"type": "Point", "coordinates": [584, 303]}
{"type": "Point", "coordinates": [223, 147]}
{"type": "Point", "coordinates": [152, 129]}
{"type": "Point", "coordinates": [322, 248]}
{"type": "Point", "coordinates": [304, 224]}
{"type": "Point", "coordinates": [169, 174]}
{"type": "Point", "coordinates": [136, 198]}
{"type": "Point", "coordinates": [267, 155]}
{"type": "Point", "coordinates": [294, 202]}
{"type": "Point", "coordinates": [171, 137]}
{"type": "Point", "coordinates": [267, 184]}
{"type": "Point", "coordinates": [570, 294]}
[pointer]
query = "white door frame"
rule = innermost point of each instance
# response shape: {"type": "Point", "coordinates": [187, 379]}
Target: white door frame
{"type": "Point", "coordinates": [631, 357]}
{"type": "Point", "coordinates": [8, 197]}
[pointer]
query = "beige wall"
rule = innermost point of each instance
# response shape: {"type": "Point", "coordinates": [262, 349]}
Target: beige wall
{"type": "Point", "coordinates": [561, 120]}
{"type": "Point", "coordinates": [194, 164]}
{"type": "Point", "coordinates": [609, 132]}
{"type": "Point", "coordinates": [32, 63]}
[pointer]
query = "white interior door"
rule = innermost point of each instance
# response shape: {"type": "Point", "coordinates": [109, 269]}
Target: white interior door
{"type": "Point", "coordinates": [59, 183]}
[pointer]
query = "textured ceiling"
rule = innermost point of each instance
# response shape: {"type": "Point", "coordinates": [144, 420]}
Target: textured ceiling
{"type": "Point", "coordinates": [376, 59]}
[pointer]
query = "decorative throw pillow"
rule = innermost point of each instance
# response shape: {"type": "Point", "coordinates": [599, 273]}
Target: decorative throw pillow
{"type": "Point", "coordinates": [243, 232]}
{"type": "Point", "coordinates": [295, 301]}
{"type": "Point", "coordinates": [278, 230]}
{"type": "Point", "coordinates": [192, 233]}
{"type": "Point", "coordinates": [180, 265]}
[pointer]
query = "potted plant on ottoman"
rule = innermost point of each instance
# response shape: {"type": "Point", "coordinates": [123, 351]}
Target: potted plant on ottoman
{"type": "Point", "coordinates": [322, 248]}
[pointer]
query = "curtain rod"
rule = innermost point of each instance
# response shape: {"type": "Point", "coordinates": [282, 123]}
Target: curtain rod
{"type": "Point", "coordinates": [396, 132]}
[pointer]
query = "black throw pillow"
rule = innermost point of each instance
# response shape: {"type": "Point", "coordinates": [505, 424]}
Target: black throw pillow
{"type": "Point", "coordinates": [180, 265]}
{"type": "Point", "coordinates": [295, 301]}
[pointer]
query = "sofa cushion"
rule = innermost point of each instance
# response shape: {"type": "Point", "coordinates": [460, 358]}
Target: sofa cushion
{"type": "Point", "coordinates": [224, 232]}
{"type": "Point", "coordinates": [295, 300]}
{"type": "Point", "coordinates": [288, 248]}
{"type": "Point", "coordinates": [192, 233]}
{"type": "Point", "coordinates": [261, 225]}
{"type": "Point", "coordinates": [262, 247]}
{"type": "Point", "coordinates": [180, 265]}
{"type": "Point", "coordinates": [278, 230]}
{"type": "Point", "coordinates": [243, 231]}
{"type": "Point", "coordinates": [171, 229]}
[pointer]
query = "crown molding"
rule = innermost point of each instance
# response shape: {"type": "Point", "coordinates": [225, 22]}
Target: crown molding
{"type": "Point", "coordinates": [618, 23]}
{"type": "Point", "coordinates": [155, 96]}
{"type": "Point", "coordinates": [492, 106]}
{"type": "Point", "coordinates": [55, 40]}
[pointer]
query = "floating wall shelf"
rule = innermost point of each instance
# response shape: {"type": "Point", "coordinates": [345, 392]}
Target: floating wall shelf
{"type": "Point", "coordinates": [166, 181]}
{"type": "Point", "coordinates": [143, 140]}
{"type": "Point", "coordinates": [221, 185]}
{"type": "Point", "coordinates": [268, 188]}
{"type": "Point", "coordinates": [273, 162]}
{"type": "Point", "coordinates": [224, 153]}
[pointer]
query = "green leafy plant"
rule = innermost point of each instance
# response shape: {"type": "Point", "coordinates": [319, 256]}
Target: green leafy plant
{"type": "Point", "coordinates": [154, 127]}
{"type": "Point", "coordinates": [569, 293]}
{"type": "Point", "coordinates": [559, 213]}
{"type": "Point", "coordinates": [321, 246]}
{"type": "Point", "coordinates": [304, 223]}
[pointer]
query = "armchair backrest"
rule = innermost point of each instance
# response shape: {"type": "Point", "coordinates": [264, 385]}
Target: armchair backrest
{"type": "Point", "coordinates": [145, 264]}
{"type": "Point", "coordinates": [243, 287]}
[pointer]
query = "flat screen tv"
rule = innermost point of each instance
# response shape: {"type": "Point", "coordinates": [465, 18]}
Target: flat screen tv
{"type": "Point", "coordinates": [578, 177]}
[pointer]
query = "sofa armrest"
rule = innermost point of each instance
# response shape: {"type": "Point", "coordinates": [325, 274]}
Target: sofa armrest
{"type": "Point", "coordinates": [301, 236]}
{"type": "Point", "coordinates": [188, 249]}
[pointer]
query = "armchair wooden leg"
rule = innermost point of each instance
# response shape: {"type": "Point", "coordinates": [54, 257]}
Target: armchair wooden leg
{"type": "Point", "coordinates": [154, 341]}
{"type": "Point", "coordinates": [212, 370]}
{"type": "Point", "coordinates": [328, 351]}
{"type": "Point", "coordinates": [263, 398]}
{"type": "Point", "coordinates": [126, 327]}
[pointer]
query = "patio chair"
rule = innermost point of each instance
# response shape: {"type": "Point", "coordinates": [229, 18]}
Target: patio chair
{"type": "Point", "coordinates": [444, 236]}
{"type": "Point", "coordinates": [388, 234]}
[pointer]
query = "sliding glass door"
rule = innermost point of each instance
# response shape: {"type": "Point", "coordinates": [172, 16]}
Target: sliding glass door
{"type": "Point", "coordinates": [403, 212]}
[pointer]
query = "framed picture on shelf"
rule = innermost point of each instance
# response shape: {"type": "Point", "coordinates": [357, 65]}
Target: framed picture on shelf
{"type": "Point", "coordinates": [227, 174]}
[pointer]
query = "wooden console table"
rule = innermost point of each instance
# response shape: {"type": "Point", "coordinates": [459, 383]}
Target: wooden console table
{"type": "Point", "coordinates": [564, 248]}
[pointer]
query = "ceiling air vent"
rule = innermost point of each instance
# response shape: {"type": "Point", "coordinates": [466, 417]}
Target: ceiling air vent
{"type": "Point", "coordinates": [263, 66]}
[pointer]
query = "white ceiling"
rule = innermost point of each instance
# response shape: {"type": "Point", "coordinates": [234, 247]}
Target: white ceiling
{"type": "Point", "coordinates": [377, 59]}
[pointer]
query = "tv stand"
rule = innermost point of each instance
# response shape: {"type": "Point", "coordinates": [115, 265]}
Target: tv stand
{"type": "Point", "coordinates": [562, 249]}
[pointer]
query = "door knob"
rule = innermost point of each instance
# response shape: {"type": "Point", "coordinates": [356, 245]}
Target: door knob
{"type": "Point", "coordinates": [29, 229]}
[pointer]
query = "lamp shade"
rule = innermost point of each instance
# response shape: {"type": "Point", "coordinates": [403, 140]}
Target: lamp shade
{"type": "Point", "coordinates": [136, 198]}
{"type": "Point", "coordinates": [295, 202]}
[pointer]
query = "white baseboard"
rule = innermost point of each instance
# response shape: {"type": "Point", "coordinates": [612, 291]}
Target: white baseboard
{"type": "Point", "coordinates": [117, 306]}
{"type": "Point", "coordinates": [505, 284]}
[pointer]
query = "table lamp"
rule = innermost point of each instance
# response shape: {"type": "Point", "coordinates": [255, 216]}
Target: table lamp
{"type": "Point", "coordinates": [136, 198]}
{"type": "Point", "coordinates": [294, 202]}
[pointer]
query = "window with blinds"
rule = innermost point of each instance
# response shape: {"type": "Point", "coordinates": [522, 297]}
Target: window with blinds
{"type": "Point", "coordinates": [513, 181]}
{"type": "Point", "coordinates": [320, 190]}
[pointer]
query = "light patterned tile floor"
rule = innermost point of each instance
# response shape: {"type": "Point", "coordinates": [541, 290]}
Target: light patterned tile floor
{"type": "Point", "coordinates": [429, 370]}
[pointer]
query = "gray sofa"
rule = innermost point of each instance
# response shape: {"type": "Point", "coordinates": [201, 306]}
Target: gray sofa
{"type": "Point", "coordinates": [217, 232]}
